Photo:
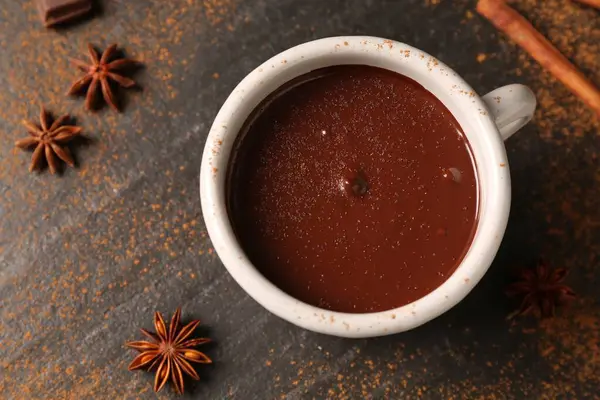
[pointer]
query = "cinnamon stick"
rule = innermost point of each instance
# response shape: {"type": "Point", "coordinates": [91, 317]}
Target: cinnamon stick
{"type": "Point", "coordinates": [516, 27]}
{"type": "Point", "coordinates": [591, 3]}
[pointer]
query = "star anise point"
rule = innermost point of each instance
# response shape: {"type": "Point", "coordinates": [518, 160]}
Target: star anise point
{"type": "Point", "coordinates": [98, 77]}
{"type": "Point", "coordinates": [542, 290]}
{"type": "Point", "coordinates": [170, 351]}
{"type": "Point", "coordinates": [48, 139]}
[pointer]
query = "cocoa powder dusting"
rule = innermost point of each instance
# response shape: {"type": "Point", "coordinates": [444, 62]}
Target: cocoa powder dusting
{"type": "Point", "coordinates": [340, 183]}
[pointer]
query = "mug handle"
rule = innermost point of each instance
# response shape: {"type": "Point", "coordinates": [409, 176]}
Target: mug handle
{"type": "Point", "coordinates": [511, 108]}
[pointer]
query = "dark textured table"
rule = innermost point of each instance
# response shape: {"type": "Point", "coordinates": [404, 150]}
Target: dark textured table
{"type": "Point", "coordinates": [87, 257]}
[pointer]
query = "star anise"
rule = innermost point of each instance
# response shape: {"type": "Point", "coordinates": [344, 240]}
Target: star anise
{"type": "Point", "coordinates": [49, 141]}
{"type": "Point", "coordinates": [98, 75]}
{"type": "Point", "coordinates": [541, 289]}
{"type": "Point", "coordinates": [170, 350]}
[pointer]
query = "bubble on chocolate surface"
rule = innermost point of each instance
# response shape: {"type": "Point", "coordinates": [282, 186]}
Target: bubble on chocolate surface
{"type": "Point", "coordinates": [356, 185]}
{"type": "Point", "coordinates": [452, 173]}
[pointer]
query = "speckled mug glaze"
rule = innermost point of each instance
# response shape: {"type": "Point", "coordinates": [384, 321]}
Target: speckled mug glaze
{"type": "Point", "coordinates": [486, 121]}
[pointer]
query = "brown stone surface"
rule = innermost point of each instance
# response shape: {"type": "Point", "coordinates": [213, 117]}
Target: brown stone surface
{"type": "Point", "coordinates": [86, 257]}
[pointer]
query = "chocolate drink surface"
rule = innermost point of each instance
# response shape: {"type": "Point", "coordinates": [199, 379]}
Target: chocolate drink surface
{"type": "Point", "coordinates": [352, 188]}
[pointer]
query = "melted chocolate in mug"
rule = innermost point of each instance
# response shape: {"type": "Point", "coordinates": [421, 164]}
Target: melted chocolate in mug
{"type": "Point", "coordinates": [353, 188]}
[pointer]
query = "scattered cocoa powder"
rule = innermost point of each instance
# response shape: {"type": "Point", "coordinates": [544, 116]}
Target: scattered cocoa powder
{"type": "Point", "coordinates": [575, 31]}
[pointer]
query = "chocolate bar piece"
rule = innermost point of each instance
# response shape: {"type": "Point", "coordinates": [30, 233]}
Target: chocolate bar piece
{"type": "Point", "coordinates": [54, 12]}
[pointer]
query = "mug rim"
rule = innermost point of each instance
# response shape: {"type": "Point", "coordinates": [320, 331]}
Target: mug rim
{"type": "Point", "coordinates": [264, 80]}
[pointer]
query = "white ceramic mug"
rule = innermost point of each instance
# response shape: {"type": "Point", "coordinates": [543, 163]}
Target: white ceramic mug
{"type": "Point", "coordinates": [486, 121]}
